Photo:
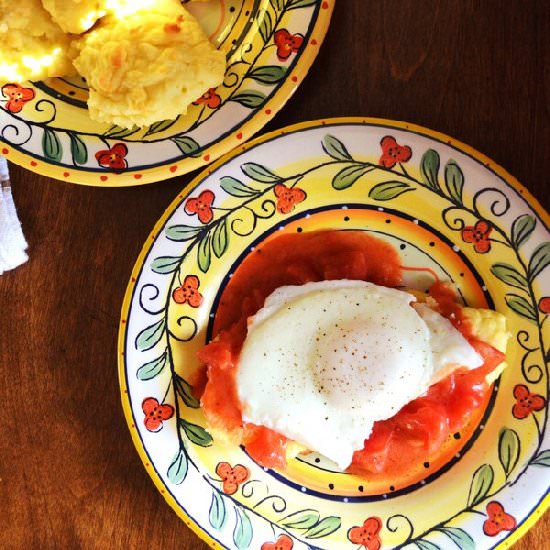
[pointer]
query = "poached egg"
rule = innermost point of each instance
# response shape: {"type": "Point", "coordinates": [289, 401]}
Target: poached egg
{"type": "Point", "coordinates": [323, 361]}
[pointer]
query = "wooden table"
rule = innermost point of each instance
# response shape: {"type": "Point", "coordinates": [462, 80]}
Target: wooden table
{"type": "Point", "coordinates": [69, 474]}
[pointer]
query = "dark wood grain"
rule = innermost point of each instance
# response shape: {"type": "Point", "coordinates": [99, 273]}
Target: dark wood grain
{"type": "Point", "coordinates": [69, 474]}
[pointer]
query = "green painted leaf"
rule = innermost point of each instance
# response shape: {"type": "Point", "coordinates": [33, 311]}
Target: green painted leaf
{"type": "Point", "coordinates": [482, 481]}
{"type": "Point", "coordinates": [349, 175]}
{"type": "Point", "coordinates": [424, 544]}
{"type": "Point", "coordinates": [277, 5]}
{"type": "Point", "coordinates": [268, 74]}
{"type": "Point", "coordinates": [160, 126]}
{"type": "Point", "coordinates": [454, 180]}
{"type": "Point", "coordinates": [295, 4]}
{"type": "Point", "coordinates": [203, 253]}
{"type": "Point", "coordinates": [153, 368]}
{"type": "Point", "coordinates": [242, 534]}
{"type": "Point", "coordinates": [182, 232]}
{"type": "Point", "coordinates": [389, 190]}
{"type": "Point", "coordinates": [521, 306]}
{"type": "Point", "coordinates": [185, 391]}
{"type": "Point", "coordinates": [149, 336]}
{"type": "Point", "coordinates": [324, 528]}
{"type": "Point", "coordinates": [542, 459]}
{"type": "Point", "coordinates": [217, 514]}
{"type": "Point", "coordinates": [260, 173]}
{"type": "Point", "coordinates": [539, 260]}
{"type": "Point", "coordinates": [178, 468]}
{"type": "Point", "coordinates": [51, 145]}
{"type": "Point", "coordinates": [165, 264]}
{"type": "Point", "coordinates": [249, 98]}
{"type": "Point", "coordinates": [460, 537]}
{"type": "Point", "coordinates": [335, 148]}
{"type": "Point", "coordinates": [220, 239]}
{"type": "Point", "coordinates": [522, 229]}
{"type": "Point", "coordinates": [509, 275]}
{"type": "Point", "coordinates": [79, 151]}
{"type": "Point", "coordinates": [195, 433]}
{"type": "Point", "coordinates": [118, 132]}
{"type": "Point", "coordinates": [187, 145]}
{"type": "Point", "coordinates": [237, 188]}
{"type": "Point", "coordinates": [508, 449]}
{"type": "Point", "coordinates": [304, 519]}
{"type": "Point", "coordinates": [429, 168]}
{"type": "Point", "coordinates": [265, 24]}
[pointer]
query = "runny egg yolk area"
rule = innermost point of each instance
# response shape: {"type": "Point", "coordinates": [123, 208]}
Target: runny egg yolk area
{"type": "Point", "coordinates": [330, 379]}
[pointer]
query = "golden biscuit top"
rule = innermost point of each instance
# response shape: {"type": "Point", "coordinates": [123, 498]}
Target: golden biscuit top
{"type": "Point", "coordinates": [76, 16]}
{"type": "Point", "coordinates": [32, 46]}
{"type": "Point", "coordinates": [147, 66]}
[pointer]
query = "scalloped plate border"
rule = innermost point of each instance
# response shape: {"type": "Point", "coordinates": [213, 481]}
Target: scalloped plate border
{"type": "Point", "coordinates": [544, 503]}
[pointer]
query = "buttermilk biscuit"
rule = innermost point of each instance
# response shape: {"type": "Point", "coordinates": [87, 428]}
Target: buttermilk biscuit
{"type": "Point", "coordinates": [32, 46]}
{"type": "Point", "coordinates": [76, 16]}
{"type": "Point", "coordinates": [147, 66]}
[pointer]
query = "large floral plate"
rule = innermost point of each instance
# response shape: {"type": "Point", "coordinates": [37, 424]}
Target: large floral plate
{"type": "Point", "coordinates": [451, 213]}
{"type": "Point", "coordinates": [270, 45]}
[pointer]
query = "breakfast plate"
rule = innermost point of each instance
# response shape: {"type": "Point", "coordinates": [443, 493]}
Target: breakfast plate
{"type": "Point", "coordinates": [269, 44]}
{"type": "Point", "coordinates": [450, 213]}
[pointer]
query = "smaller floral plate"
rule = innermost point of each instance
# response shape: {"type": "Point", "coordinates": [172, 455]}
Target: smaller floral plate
{"type": "Point", "coordinates": [450, 213]}
{"type": "Point", "coordinates": [270, 45]}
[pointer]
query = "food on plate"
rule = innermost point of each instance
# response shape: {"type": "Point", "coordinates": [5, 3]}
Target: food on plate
{"type": "Point", "coordinates": [144, 60]}
{"type": "Point", "coordinates": [347, 354]}
{"type": "Point", "coordinates": [32, 45]}
{"type": "Point", "coordinates": [76, 16]}
{"type": "Point", "coordinates": [324, 353]}
{"type": "Point", "coordinates": [147, 66]}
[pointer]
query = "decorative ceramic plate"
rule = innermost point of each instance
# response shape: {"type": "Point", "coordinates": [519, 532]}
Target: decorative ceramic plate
{"type": "Point", "coordinates": [270, 45]}
{"type": "Point", "coordinates": [447, 210]}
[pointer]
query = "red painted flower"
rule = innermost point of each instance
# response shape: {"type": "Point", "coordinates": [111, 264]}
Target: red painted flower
{"type": "Point", "coordinates": [544, 305]}
{"type": "Point", "coordinates": [113, 158]}
{"type": "Point", "coordinates": [232, 477]}
{"type": "Point", "coordinates": [202, 206]}
{"type": "Point", "coordinates": [368, 534]}
{"type": "Point", "coordinates": [284, 542]}
{"type": "Point", "coordinates": [479, 235]}
{"type": "Point", "coordinates": [155, 414]}
{"type": "Point", "coordinates": [392, 152]}
{"type": "Point", "coordinates": [526, 402]}
{"type": "Point", "coordinates": [288, 197]}
{"type": "Point", "coordinates": [497, 520]}
{"type": "Point", "coordinates": [17, 96]}
{"type": "Point", "coordinates": [188, 292]}
{"type": "Point", "coordinates": [209, 98]}
{"type": "Point", "coordinates": [287, 43]}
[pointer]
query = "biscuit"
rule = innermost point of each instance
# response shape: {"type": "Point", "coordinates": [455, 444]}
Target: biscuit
{"type": "Point", "coordinates": [147, 66]}
{"type": "Point", "coordinates": [76, 16]}
{"type": "Point", "coordinates": [32, 46]}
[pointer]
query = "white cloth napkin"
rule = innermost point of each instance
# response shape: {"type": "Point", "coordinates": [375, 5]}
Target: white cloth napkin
{"type": "Point", "coordinates": [13, 245]}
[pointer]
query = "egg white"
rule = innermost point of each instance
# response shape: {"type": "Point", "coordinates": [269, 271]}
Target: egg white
{"type": "Point", "coordinates": [322, 362]}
